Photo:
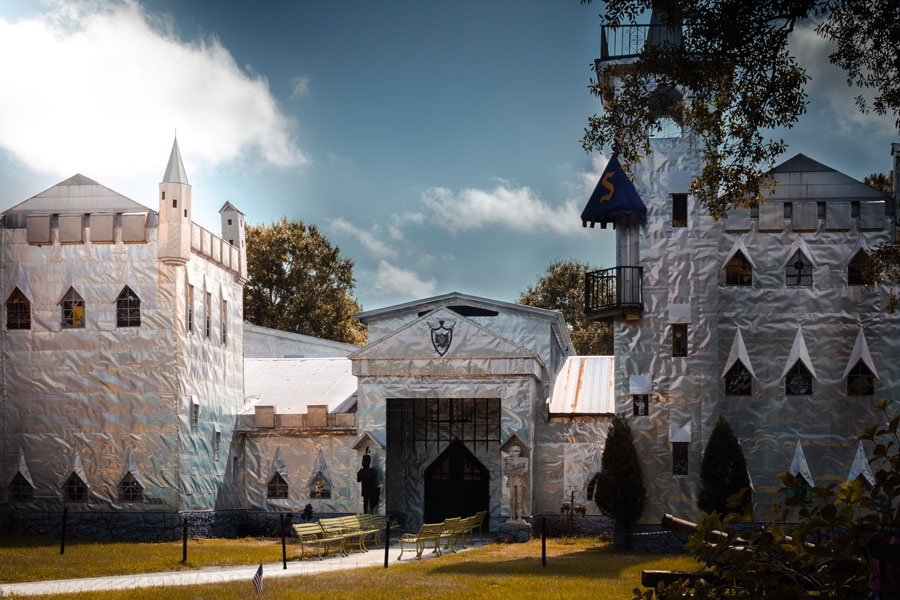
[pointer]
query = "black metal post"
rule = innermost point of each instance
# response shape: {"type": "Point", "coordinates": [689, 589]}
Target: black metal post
{"type": "Point", "coordinates": [544, 541]}
{"type": "Point", "coordinates": [283, 547]}
{"type": "Point", "coordinates": [62, 535]}
{"type": "Point", "coordinates": [184, 528]}
{"type": "Point", "coordinates": [387, 541]}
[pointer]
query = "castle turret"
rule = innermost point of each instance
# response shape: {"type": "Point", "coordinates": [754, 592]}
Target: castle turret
{"type": "Point", "coordinates": [174, 211]}
{"type": "Point", "coordinates": [233, 233]}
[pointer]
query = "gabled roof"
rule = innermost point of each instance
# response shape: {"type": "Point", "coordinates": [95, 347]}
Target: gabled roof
{"type": "Point", "coordinates": [230, 206]}
{"type": "Point", "coordinates": [175, 172]}
{"type": "Point", "coordinates": [77, 194]}
{"type": "Point", "coordinates": [454, 298]}
{"type": "Point", "coordinates": [802, 178]}
{"type": "Point", "coordinates": [467, 340]}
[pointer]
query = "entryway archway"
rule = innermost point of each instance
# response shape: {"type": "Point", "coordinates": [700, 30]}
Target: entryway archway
{"type": "Point", "coordinates": [456, 485]}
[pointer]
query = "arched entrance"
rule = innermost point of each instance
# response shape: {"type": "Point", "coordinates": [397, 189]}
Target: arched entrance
{"type": "Point", "coordinates": [456, 485]}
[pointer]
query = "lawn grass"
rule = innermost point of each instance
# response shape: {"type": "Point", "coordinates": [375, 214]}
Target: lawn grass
{"type": "Point", "coordinates": [582, 568]}
{"type": "Point", "coordinates": [38, 559]}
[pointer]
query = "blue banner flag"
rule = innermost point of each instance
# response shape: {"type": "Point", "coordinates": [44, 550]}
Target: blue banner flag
{"type": "Point", "coordinates": [614, 195]}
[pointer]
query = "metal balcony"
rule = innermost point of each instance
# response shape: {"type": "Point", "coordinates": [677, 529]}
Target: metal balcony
{"type": "Point", "coordinates": [614, 293]}
{"type": "Point", "coordinates": [628, 41]}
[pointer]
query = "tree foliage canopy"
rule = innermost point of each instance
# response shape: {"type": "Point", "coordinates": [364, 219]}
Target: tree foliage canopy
{"type": "Point", "coordinates": [561, 287]}
{"type": "Point", "coordinates": [849, 526]}
{"type": "Point", "coordinates": [735, 62]}
{"type": "Point", "coordinates": [297, 281]}
{"type": "Point", "coordinates": [723, 471]}
{"type": "Point", "coordinates": [620, 491]}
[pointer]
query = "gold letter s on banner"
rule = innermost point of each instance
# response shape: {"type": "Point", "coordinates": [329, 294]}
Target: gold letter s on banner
{"type": "Point", "coordinates": [608, 185]}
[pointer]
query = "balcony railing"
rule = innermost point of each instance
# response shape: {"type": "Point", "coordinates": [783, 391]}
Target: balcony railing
{"type": "Point", "coordinates": [615, 292]}
{"type": "Point", "coordinates": [628, 41]}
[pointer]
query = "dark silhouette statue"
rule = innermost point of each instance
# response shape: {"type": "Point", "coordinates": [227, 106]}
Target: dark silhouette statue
{"type": "Point", "coordinates": [368, 477]}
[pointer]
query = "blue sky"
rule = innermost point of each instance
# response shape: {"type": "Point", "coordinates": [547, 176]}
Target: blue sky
{"type": "Point", "coordinates": [436, 143]}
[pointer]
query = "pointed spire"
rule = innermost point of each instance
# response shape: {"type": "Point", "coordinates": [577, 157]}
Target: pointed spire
{"type": "Point", "coordinates": [175, 172]}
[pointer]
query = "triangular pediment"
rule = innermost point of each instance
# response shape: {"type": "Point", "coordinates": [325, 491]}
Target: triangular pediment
{"type": "Point", "coordinates": [78, 194]}
{"type": "Point", "coordinates": [442, 334]}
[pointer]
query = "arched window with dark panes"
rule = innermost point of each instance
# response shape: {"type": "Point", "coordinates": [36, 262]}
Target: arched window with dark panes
{"type": "Point", "coordinates": [128, 309]}
{"type": "Point", "coordinates": [130, 489]}
{"type": "Point", "coordinates": [856, 268]}
{"type": "Point", "coordinates": [738, 270]}
{"type": "Point", "coordinates": [18, 311]}
{"type": "Point", "coordinates": [738, 381]}
{"type": "Point", "coordinates": [860, 380]}
{"type": "Point", "coordinates": [75, 489]}
{"type": "Point", "coordinates": [798, 271]}
{"type": "Point", "coordinates": [320, 487]}
{"type": "Point", "coordinates": [72, 310]}
{"type": "Point", "coordinates": [798, 381]}
{"type": "Point", "coordinates": [20, 490]}
{"type": "Point", "coordinates": [277, 488]}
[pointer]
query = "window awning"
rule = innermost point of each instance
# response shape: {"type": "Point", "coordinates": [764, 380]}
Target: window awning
{"type": "Point", "coordinates": [738, 353]}
{"type": "Point", "coordinates": [861, 466]}
{"type": "Point", "coordinates": [799, 466]}
{"type": "Point", "coordinates": [614, 195]}
{"type": "Point", "coordinates": [679, 433]}
{"type": "Point", "coordinates": [860, 353]}
{"type": "Point", "coordinates": [799, 352]}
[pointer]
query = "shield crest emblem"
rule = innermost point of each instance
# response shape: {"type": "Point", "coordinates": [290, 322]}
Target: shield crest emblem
{"type": "Point", "coordinates": [441, 335]}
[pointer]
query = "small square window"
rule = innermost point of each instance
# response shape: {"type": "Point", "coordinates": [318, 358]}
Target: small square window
{"type": "Point", "coordinates": [679, 339]}
{"type": "Point", "coordinates": [680, 458]}
{"type": "Point", "coordinates": [174, 203]}
{"type": "Point", "coordinates": [679, 210]}
{"type": "Point", "coordinates": [163, 195]}
{"type": "Point", "coordinates": [75, 488]}
{"type": "Point", "coordinates": [738, 381]}
{"type": "Point", "coordinates": [641, 405]}
{"type": "Point", "coordinates": [195, 415]}
{"type": "Point", "coordinates": [130, 490]}
{"type": "Point", "coordinates": [185, 213]}
{"type": "Point", "coordinates": [20, 490]}
{"type": "Point", "coordinates": [798, 272]}
{"type": "Point", "coordinates": [277, 488]}
{"type": "Point", "coordinates": [802, 491]}
{"type": "Point", "coordinates": [229, 221]}
{"type": "Point", "coordinates": [739, 271]}
{"type": "Point", "coordinates": [860, 380]}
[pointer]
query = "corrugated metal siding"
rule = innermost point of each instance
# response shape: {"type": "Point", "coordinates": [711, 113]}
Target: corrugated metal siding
{"type": "Point", "coordinates": [585, 386]}
{"type": "Point", "coordinates": [291, 384]}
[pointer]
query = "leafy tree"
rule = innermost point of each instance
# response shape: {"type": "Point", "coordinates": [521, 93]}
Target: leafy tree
{"type": "Point", "coordinates": [829, 554]}
{"type": "Point", "coordinates": [297, 281]}
{"type": "Point", "coordinates": [561, 288]}
{"type": "Point", "coordinates": [723, 471]}
{"type": "Point", "coordinates": [743, 81]}
{"type": "Point", "coordinates": [884, 183]}
{"type": "Point", "coordinates": [619, 491]}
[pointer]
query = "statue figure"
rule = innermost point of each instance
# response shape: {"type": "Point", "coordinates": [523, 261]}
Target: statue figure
{"type": "Point", "coordinates": [368, 477]}
{"type": "Point", "coordinates": [515, 467]}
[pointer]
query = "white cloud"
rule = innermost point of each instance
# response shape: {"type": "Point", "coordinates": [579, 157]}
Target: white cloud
{"type": "Point", "coordinates": [506, 205]}
{"type": "Point", "coordinates": [98, 87]}
{"type": "Point", "coordinates": [369, 239]}
{"type": "Point", "coordinates": [394, 280]}
{"type": "Point", "coordinates": [300, 86]}
{"type": "Point", "coordinates": [828, 89]}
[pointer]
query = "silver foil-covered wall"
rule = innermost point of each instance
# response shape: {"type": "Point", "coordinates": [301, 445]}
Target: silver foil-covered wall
{"type": "Point", "coordinates": [686, 266]}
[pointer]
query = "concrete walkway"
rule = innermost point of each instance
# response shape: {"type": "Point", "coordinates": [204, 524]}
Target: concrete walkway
{"type": "Point", "coordinates": [372, 558]}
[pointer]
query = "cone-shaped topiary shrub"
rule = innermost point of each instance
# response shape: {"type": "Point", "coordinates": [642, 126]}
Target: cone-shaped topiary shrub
{"type": "Point", "coordinates": [723, 472]}
{"type": "Point", "coordinates": [619, 491]}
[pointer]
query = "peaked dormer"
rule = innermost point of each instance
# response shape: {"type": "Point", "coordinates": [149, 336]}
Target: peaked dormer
{"type": "Point", "coordinates": [174, 211]}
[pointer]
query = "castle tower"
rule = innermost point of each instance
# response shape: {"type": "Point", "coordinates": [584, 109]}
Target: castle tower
{"type": "Point", "coordinates": [233, 233]}
{"type": "Point", "coordinates": [174, 212]}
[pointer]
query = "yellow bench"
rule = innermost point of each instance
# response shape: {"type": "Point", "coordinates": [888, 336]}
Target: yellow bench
{"type": "Point", "coordinates": [344, 528]}
{"type": "Point", "coordinates": [311, 534]}
{"type": "Point", "coordinates": [429, 532]}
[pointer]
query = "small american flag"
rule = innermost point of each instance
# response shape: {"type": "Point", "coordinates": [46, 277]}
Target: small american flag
{"type": "Point", "coordinates": [257, 579]}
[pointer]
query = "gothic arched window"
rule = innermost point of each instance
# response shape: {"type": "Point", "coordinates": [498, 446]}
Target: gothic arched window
{"type": "Point", "coordinates": [278, 487]}
{"type": "Point", "coordinates": [76, 489]}
{"type": "Point", "coordinates": [320, 487]}
{"type": "Point", "coordinates": [798, 381]}
{"type": "Point", "coordinates": [72, 310]}
{"type": "Point", "coordinates": [18, 311]}
{"type": "Point", "coordinates": [19, 489]}
{"type": "Point", "coordinates": [798, 271]}
{"type": "Point", "coordinates": [739, 271]}
{"type": "Point", "coordinates": [128, 309]}
{"type": "Point", "coordinates": [738, 381]}
{"type": "Point", "coordinates": [857, 266]}
{"type": "Point", "coordinates": [130, 489]}
{"type": "Point", "coordinates": [860, 380]}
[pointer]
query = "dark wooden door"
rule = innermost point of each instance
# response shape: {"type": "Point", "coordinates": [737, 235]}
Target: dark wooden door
{"type": "Point", "coordinates": [456, 485]}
